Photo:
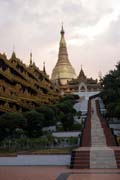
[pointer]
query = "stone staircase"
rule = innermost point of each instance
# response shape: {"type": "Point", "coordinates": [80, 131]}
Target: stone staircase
{"type": "Point", "coordinates": [97, 133]}
{"type": "Point", "coordinates": [102, 157]}
{"type": "Point", "coordinates": [110, 140]}
{"type": "Point", "coordinates": [99, 150]}
{"type": "Point", "coordinates": [117, 156]}
{"type": "Point", "coordinates": [80, 159]}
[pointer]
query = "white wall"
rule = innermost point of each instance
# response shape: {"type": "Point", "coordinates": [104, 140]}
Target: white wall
{"type": "Point", "coordinates": [86, 94]}
{"type": "Point", "coordinates": [82, 106]}
{"type": "Point", "coordinates": [30, 160]}
{"type": "Point", "coordinates": [114, 126]}
{"type": "Point", "coordinates": [116, 132]}
{"type": "Point", "coordinates": [66, 134]}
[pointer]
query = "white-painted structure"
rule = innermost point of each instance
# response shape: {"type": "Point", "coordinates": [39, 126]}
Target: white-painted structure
{"type": "Point", "coordinates": [116, 132]}
{"type": "Point", "coordinates": [66, 134]}
{"type": "Point", "coordinates": [49, 128]}
{"type": "Point", "coordinates": [31, 160]}
{"type": "Point", "coordinates": [114, 126]}
{"type": "Point", "coordinates": [86, 95]}
{"type": "Point", "coordinates": [82, 106]}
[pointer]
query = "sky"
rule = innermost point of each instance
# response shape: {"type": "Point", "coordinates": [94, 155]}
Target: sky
{"type": "Point", "coordinates": [92, 32]}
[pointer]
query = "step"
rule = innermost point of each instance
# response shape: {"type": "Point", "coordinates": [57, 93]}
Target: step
{"type": "Point", "coordinates": [80, 162]}
{"type": "Point", "coordinates": [81, 167]}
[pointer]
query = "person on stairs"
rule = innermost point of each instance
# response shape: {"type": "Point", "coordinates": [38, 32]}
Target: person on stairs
{"type": "Point", "coordinates": [92, 111]}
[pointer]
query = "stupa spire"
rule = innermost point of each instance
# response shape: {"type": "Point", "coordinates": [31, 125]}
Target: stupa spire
{"type": "Point", "coordinates": [63, 65]}
{"type": "Point", "coordinates": [63, 54]}
{"type": "Point", "coordinates": [62, 30]}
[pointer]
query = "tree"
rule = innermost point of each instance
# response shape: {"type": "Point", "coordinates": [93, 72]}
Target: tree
{"type": "Point", "coordinates": [111, 92]}
{"type": "Point", "coordinates": [79, 113]}
{"type": "Point", "coordinates": [34, 123]}
{"type": "Point", "coordinates": [49, 115]}
{"type": "Point", "coordinates": [66, 107]}
{"type": "Point", "coordinates": [9, 122]}
{"type": "Point", "coordinates": [67, 121]}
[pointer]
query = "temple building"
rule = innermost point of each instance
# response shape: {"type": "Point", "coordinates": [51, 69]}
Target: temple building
{"type": "Point", "coordinates": [23, 87]}
{"type": "Point", "coordinates": [83, 84]}
{"type": "Point", "coordinates": [64, 76]}
{"type": "Point", "coordinates": [63, 70]}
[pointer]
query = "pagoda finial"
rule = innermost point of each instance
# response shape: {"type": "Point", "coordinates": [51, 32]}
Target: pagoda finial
{"type": "Point", "coordinates": [62, 41]}
{"type": "Point", "coordinates": [30, 58]}
{"type": "Point", "coordinates": [44, 70]}
{"type": "Point", "coordinates": [62, 30]}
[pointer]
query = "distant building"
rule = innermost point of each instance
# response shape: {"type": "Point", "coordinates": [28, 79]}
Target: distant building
{"type": "Point", "coordinates": [83, 84]}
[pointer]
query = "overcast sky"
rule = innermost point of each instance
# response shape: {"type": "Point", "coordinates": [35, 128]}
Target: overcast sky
{"type": "Point", "coordinates": [92, 32]}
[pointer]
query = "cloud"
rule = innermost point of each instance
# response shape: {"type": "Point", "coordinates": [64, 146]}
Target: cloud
{"type": "Point", "coordinates": [92, 31]}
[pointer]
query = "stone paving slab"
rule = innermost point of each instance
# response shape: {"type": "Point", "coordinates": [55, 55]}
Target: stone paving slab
{"type": "Point", "coordinates": [56, 173]}
{"type": "Point", "coordinates": [94, 177]}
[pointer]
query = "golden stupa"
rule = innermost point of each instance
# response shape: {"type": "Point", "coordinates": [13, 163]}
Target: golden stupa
{"type": "Point", "coordinates": [63, 70]}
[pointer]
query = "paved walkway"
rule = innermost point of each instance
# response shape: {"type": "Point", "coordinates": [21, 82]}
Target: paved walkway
{"type": "Point", "coordinates": [56, 173]}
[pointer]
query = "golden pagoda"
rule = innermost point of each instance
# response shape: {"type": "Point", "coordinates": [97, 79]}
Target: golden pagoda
{"type": "Point", "coordinates": [63, 70]}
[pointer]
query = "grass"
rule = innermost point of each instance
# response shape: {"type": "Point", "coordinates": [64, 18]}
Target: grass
{"type": "Point", "coordinates": [40, 151]}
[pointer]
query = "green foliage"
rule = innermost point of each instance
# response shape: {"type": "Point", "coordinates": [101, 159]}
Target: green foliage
{"type": "Point", "coordinates": [49, 115]}
{"type": "Point", "coordinates": [79, 113]}
{"type": "Point", "coordinates": [30, 124]}
{"type": "Point", "coordinates": [77, 127]}
{"type": "Point", "coordinates": [111, 92]}
{"type": "Point", "coordinates": [71, 97]}
{"type": "Point", "coordinates": [67, 121]}
{"type": "Point", "coordinates": [66, 107]}
{"type": "Point", "coordinates": [34, 121]}
{"type": "Point", "coordinates": [73, 140]}
{"type": "Point", "coordinates": [9, 122]}
{"type": "Point", "coordinates": [40, 145]}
